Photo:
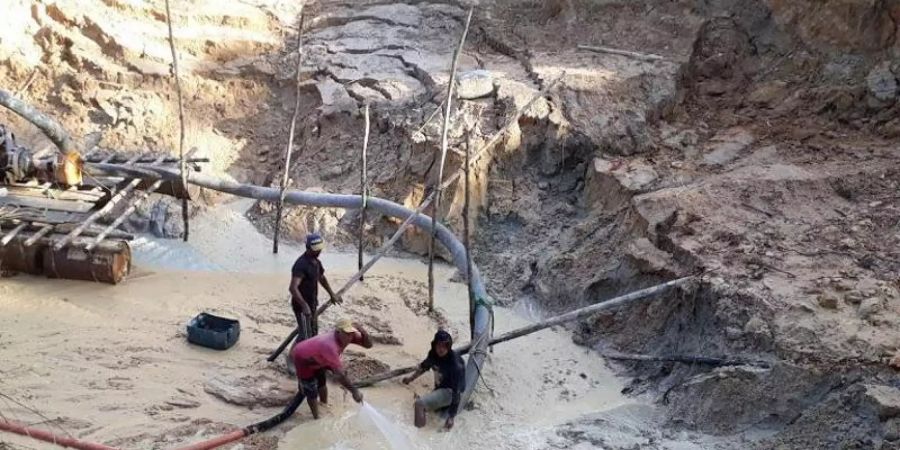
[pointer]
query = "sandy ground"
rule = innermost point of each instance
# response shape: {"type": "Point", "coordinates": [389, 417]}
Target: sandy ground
{"type": "Point", "coordinates": [113, 365]}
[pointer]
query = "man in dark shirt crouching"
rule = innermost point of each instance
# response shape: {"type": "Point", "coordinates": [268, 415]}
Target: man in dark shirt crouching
{"type": "Point", "coordinates": [450, 380]}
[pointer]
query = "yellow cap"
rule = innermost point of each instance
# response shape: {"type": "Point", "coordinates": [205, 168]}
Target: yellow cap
{"type": "Point", "coordinates": [345, 325]}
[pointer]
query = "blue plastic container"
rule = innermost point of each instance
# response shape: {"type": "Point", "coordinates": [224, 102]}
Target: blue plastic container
{"type": "Point", "coordinates": [213, 332]}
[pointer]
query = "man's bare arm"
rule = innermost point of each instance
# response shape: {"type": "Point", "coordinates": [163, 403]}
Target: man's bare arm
{"type": "Point", "coordinates": [366, 339]}
{"type": "Point", "coordinates": [341, 378]}
{"type": "Point", "coordinates": [295, 293]}
{"type": "Point", "coordinates": [324, 282]}
{"type": "Point", "coordinates": [418, 373]}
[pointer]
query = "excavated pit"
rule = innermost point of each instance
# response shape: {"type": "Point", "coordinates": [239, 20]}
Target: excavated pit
{"type": "Point", "coordinates": [761, 150]}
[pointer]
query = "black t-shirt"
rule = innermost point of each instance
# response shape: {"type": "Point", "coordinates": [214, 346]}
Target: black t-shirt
{"type": "Point", "coordinates": [451, 374]}
{"type": "Point", "coordinates": [310, 270]}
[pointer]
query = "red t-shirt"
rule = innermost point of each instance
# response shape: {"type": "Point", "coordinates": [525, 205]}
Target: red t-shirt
{"type": "Point", "coordinates": [320, 352]}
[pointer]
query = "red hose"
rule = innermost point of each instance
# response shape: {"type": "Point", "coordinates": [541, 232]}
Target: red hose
{"type": "Point", "coordinates": [213, 443]}
{"type": "Point", "coordinates": [50, 437]}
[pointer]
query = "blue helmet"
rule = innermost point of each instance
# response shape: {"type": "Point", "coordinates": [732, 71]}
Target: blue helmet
{"type": "Point", "coordinates": [315, 242]}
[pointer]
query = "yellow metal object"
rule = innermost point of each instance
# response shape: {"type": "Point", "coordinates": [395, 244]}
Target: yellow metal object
{"type": "Point", "coordinates": [69, 168]}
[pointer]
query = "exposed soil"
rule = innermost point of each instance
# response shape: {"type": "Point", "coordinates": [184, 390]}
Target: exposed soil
{"type": "Point", "coordinates": [762, 150]}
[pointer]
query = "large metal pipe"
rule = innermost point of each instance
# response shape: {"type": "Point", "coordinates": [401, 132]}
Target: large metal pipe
{"type": "Point", "coordinates": [50, 127]}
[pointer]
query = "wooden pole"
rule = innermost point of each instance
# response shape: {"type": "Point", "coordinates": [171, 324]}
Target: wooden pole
{"type": "Point", "coordinates": [502, 132]}
{"type": "Point", "coordinates": [38, 235]}
{"type": "Point", "coordinates": [124, 215]}
{"type": "Point", "coordinates": [12, 233]}
{"type": "Point", "coordinates": [607, 305]}
{"type": "Point", "coordinates": [467, 241]}
{"type": "Point", "coordinates": [626, 53]}
{"type": "Point", "coordinates": [440, 178]}
{"type": "Point", "coordinates": [58, 245]}
{"type": "Point", "coordinates": [182, 166]}
{"type": "Point", "coordinates": [364, 191]}
{"type": "Point", "coordinates": [290, 145]}
{"type": "Point", "coordinates": [685, 359]}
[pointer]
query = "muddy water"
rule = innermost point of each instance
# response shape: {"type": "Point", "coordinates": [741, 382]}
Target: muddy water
{"type": "Point", "coordinates": [530, 385]}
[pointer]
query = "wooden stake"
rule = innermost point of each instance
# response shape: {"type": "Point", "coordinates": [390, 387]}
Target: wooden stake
{"type": "Point", "coordinates": [626, 53]}
{"type": "Point", "coordinates": [39, 234]}
{"type": "Point", "coordinates": [125, 214]}
{"type": "Point", "coordinates": [606, 305]}
{"type": "Point", "coordinates": [182, 167]}
{"type": "Point", "coordinates": [364, 188]}
{"type": "Point", "coordinates": [686, 359]}
{"type": "Point", "coordinates": [290, 145]}
{"type": "Point", "coordinates": [437, 202]}
{"type": "Point", "coordinates": [100, 212]}
{"type": "Point", "coordinates": [12, 233]}
{"type": "Point", "coordinates": [467, 241]}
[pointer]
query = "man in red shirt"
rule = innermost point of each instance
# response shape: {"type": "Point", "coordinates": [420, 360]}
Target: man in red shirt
{"type": "Point", "coordinates": [314, 356]}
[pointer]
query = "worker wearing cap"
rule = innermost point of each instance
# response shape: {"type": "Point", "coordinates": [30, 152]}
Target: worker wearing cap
{"type": "Point", "coordinates": [306, 275]}
{"type": "Point", "coordinates": [450, 380]}
{"type": "Point", "coordinates": [315, 355]}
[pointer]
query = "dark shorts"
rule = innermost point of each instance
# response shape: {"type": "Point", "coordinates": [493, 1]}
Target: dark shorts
{"type": "Point", "coordinates": [310, 386]}
{"type": "Point", "coordinates": [308, 327]}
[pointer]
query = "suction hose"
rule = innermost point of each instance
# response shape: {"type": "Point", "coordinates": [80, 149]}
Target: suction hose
{"type": "Point", "coordinates": [46, 436]}
{"type": "Point", "coordinates": [258, 427]}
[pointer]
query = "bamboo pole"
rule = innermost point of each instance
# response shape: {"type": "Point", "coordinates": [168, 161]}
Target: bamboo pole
{"type": "Point", "coordinates": [58, 245]}
{"type": "Point", "coordinates": [467, 240]}
{"type": "Point", "coordinates": [440, 178]}
{"type": "Point", "coordinates": [364, 192]}
{"type": "Point", "coordinates": [113, 159]}
{"type": "Point", "coordinates": [39, 234]}
{"type": "Point", "coordinates": [626, 53]}
{"type": "Point", "coordinates": [290, 146]}
{"type": "Point", "coordinates": [12, 233]}
{"type": "Point", "coordinates": [607, 305]}
{"type": "Point", "coordinates": [685, 359]}
{"type": "Point", "coordinates": [182, 166]}
{"type": "Point", "coordinates": [125, 214]}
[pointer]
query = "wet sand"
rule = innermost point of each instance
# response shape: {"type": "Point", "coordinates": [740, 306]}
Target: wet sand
{"type": "Point", "coordinates": [113, 361]}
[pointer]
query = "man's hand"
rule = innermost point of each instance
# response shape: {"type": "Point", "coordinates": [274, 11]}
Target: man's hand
{"type": "Point", "coordinates": [337, 299]}
{"type": "Point", "coordinates": [449, 424]}
{"type": "Point", "coordinates": [407, 380]}
{"type": "Point", "coordinates": [357, 396]}
{"type": "Point", "coordinates": [305, 309]}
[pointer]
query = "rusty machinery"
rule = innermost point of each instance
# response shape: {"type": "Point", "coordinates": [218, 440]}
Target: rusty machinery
{"type": "Point", "coordinates": [18, 163]}
{"type": "Point", "coordinates": [27, 246]}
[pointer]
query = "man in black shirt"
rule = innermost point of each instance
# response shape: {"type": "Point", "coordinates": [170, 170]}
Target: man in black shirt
{"type": "Point", "coordinates": [450, 380]}
{"type": "Point", "coordinates": [306, 275]}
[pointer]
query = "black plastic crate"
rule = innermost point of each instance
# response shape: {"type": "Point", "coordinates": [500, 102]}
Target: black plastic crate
{"type": "Point", "coordinates": [213, 332]}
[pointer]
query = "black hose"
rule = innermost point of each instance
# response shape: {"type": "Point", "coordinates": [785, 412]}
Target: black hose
{"type": "Point", "coordinates": [273, 421]}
